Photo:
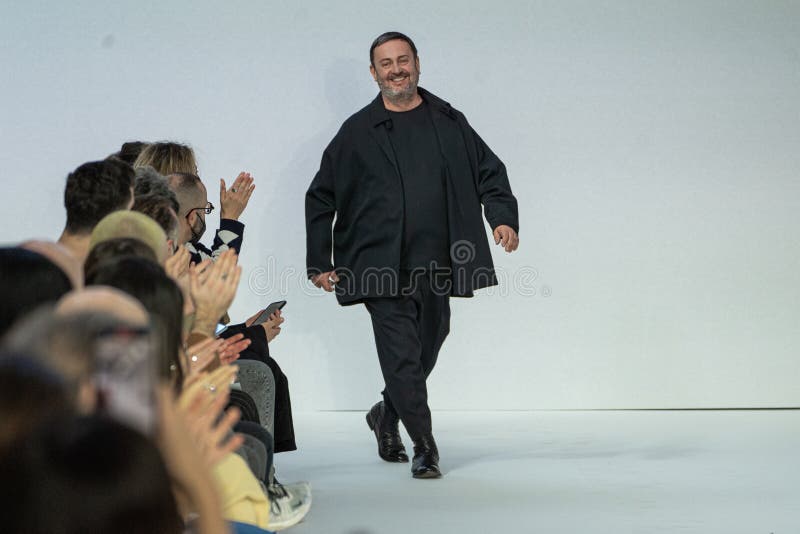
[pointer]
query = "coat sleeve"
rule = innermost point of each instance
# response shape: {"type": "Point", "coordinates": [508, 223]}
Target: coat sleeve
{"type": "Point", "coordinates": [494, 190]}
{"type": "Point", "coordinates": [320, 210]}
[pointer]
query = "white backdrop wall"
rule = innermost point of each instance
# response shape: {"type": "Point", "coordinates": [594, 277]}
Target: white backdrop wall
{"type": "Point", "coordinates": [653, 147]}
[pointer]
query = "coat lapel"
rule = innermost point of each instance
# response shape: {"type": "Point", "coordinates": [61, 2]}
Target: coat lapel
{"type": "Point", "coordinates": [379, 118]}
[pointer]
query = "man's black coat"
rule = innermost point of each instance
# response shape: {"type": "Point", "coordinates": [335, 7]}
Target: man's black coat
{"type": "Point", "coordinates": [359, 182]}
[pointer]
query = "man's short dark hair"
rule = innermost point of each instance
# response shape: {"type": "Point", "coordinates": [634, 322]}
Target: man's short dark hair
{"type": "Point", "coordinates": [129, 151]}
{"type": "Point", "coordinates": [151, 182]}
{"type": "Point", "coordinates": [385, 38]}
{"type": "Point", "coordinates": [94, 190]}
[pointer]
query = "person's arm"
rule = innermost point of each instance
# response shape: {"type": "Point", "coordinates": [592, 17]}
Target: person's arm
{"type": "Point", "coordinates": [320, 211]}
{"type": "Point", "coordinates": [213, 287]}
{"type": "Point", "coordinates": [188, 466]}
{"type": "Point", "coordinates": [494, 191]}
{"type": "Point", "coordinates": [233, 202]}
{"type": "Point", "coordinates": [229, 236]}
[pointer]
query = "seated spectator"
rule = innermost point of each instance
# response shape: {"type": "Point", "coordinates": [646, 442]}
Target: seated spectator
{"type": "Point", "coordinates": [59, 255]}
{"type": "Point", "coordinates": [129, 151]}
{"type": "Point", "coordinates": [117, 248]}
{"type": "Point", "coordinates": [167, 157]}
{"type": "Point", "coordinates": [56, 485]}
{"type": "Point", "coordinates": [132, 224]}
{"type": "Point", "coordinates": [30, 395]}
{"type": "Point", "coordinates": [151, 182]}
{"type": "Point", "coordinates": [28, 280]}
{"type": "Point", "coordinates": [194, 206]}
{"type": "Point", "coordinates": [94, 190]}
{"type": "Point", "coordinates": [159, 209]}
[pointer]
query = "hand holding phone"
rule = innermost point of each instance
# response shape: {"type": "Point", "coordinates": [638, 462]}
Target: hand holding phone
{"type": "Point", "coordinates": [265, 314]}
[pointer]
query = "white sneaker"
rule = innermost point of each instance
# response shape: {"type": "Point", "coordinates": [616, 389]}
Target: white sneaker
{"type": "Point", "coordinates": [288, 504]}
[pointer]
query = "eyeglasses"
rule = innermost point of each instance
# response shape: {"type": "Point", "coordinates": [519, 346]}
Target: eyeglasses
{"type": "Point", "coordinates": [208, 209]}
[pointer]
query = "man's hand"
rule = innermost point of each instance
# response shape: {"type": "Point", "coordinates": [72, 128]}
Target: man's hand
{"type": "Point", "coordinates": [203, 354]}
{"type": "Point", "coordinates": [506, 237]}
{"type": "Point", "coordinates": [229, 352]}
{"type": "Point", "coordinates": [233, 201]}
{"type": "Point", "coordinates": [325, 280]}
{"type": "Point", "coordinates": [272, 326]}
{"type": "Point", "coordinates": [212, 287]}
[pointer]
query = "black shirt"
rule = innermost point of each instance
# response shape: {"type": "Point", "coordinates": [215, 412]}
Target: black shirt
{"type": "Point", "coordinates": [416, 147]}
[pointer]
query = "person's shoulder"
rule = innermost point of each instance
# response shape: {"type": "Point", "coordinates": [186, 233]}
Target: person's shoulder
{"type": "Point", "coordinates": [441, 105]}
{"type": "Point", "coordinates": [358, 120]}
{"type": "Point", "coordinates": [352, 129]}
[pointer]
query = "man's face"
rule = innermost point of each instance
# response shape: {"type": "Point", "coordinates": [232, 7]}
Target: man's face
{"type": "Point", "coordinates": [395, 69]}
{"type": "Point", "coordinates": [197, 218]}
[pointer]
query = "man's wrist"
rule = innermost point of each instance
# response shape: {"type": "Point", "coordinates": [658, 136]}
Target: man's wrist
{"type": "Point", "coordinates": [205, 322]}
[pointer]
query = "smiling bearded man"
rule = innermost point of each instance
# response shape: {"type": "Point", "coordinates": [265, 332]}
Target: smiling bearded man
{"type": "Point", "coordinates": [405, 178]}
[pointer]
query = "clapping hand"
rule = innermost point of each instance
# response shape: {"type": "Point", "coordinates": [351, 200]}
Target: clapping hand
{"type": "Point", "coordinates": [201, 403]}
{"type": "Point", "coordinates": [203, 354]}
{"type": "Point", "coordinates": [233, 201]}
{"type": "Point", "coordinates": [232, 347]}
{"type": "Point", "coordinates": [212, 287]}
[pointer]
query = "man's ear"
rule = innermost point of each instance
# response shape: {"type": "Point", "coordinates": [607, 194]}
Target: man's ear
{"type": "Point", "coordinates": [372, 71]}
{"type": "Point", "coordinates": [416, 60]}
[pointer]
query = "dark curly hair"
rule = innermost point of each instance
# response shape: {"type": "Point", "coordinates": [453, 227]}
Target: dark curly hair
{"type": "Point", "coordinates": [94, 190]}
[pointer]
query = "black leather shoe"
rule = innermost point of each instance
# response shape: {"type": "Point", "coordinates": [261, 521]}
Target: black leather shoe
{"type": "Point", "coordinates": [387, 432]}
{"type": "Point", "coordinates": [426, 458]}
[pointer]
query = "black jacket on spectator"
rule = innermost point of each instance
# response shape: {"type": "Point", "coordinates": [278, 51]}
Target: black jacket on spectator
{"type": "Point", "coordinates": [359, 182]}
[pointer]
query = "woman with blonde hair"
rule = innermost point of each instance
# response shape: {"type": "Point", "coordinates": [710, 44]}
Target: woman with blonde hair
{"type": "Point", "coordinates": [168, 158]}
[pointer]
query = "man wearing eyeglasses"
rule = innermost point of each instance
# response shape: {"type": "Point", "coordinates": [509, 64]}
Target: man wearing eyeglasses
{"type": "Point", "coordinates": [194, 206]}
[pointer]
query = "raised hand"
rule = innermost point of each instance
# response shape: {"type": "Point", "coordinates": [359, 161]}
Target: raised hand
{"type": "Point", "coordinates": [201, 404]}
{"type": "Point", "coordinates": [231, 348]}
{"type": "Point", "coordinates": [213, 287]}
{"type": "Point", "coordinates": [203, 354]}
{"type": "Point", "coordinates": [233, 201]}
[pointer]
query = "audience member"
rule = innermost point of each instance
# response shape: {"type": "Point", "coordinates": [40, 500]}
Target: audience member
{"type": "Point", "coordinates": [116, 248]}
{"type": "Point", "coordinates": [30, 393]}
{"type": "Point", "coordinates": [151, 182]}
{"type": "Point", "coordinates": [94, 190]}
{"type": "Point", "coordinates": [87, 474]}
{"type": "Point", "coordinates": [27, 281]}
{"type": "Point", "coordinates": [132, 224]}
{"type": "Point", "coordinates": [129, 151]}
{"type": "Point", "coordinates": [59, 255]}
{"type": "Point", "coordinates": [167, 158]}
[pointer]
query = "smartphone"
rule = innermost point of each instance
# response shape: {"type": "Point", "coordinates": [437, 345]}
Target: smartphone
{"type": "Point", "coordinates": [269, 310]}
{"type": "Point", "coordinates": [125, 376]}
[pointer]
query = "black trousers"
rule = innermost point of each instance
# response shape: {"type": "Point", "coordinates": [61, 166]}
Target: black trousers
{"type": "Point", "coordinates": [409, 331]}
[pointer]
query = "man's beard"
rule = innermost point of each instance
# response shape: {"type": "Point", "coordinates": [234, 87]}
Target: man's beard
{"type": "Point", "coordinates": [197, 234]}
{"type": "Point", "coordinates": [398, 95]}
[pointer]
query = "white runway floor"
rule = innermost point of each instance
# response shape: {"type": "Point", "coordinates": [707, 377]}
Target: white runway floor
{"type": "Point", "coordinates": [558, 472]}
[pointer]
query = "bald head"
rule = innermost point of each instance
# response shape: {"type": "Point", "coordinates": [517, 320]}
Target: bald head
{"type": "Point", "coordinates": [104, 300]}
{"type": "Point", "coordinates": [134, 225]}
{"type": "Point", "coordinates": [61, 256]}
